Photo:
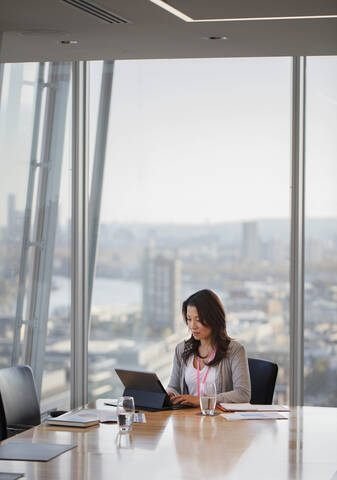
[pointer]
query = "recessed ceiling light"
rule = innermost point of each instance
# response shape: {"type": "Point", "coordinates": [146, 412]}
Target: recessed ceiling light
{"type": "Point", "coordinates": [216, 37]}
{"type": "Point", "coordinates": [68, 42]}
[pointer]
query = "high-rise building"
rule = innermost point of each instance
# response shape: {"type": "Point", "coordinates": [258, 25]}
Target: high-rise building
{"type": "Point", "coordinates": [14, 219]}
{"type": "Point", "coordinates": [10, 212]}
{"type": "Point", "coordinates": [250, 241]}
{"type": "Point", "coordinates": [161, 284]}
{"type": "Point", "coordinates": [274, 251]}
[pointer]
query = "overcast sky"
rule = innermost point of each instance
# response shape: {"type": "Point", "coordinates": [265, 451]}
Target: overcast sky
{"type": "Point", "coordinates": [201, 140]}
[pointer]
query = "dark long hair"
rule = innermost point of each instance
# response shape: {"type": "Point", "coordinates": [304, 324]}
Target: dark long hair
{"type": "Point", "coordinates": [211, 314]}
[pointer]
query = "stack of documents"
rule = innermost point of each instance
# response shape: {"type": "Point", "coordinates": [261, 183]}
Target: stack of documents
{"type": "Point", "coordinates": [247, 411]}
{"type": "Point", "coordinates": [80, 418]}
{"type": "Point", "coordinates": [88, 417]}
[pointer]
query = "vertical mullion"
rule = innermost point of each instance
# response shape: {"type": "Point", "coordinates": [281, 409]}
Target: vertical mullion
{"type": "Point", "coordinates": [98, 172]}
{"type": "Point", "coordinates": [296, 326]}
{"type": "Point", "coordinates": [79, 273]}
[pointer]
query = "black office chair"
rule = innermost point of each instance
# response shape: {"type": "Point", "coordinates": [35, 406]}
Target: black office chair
{"type": "Point", "coordinates": [20, 402]}
{"type": "Point", "coordinates": [263, 378]}
{"type": "Point", "coordinates": [3, 425]}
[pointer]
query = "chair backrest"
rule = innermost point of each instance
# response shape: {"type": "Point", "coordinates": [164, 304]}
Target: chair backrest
{"type": "Point", "coordinates": [263, 378]}
{"type": "Point", "coordinates": [3, 424]}
{"type": "Point", "coordinates": [19, 398]}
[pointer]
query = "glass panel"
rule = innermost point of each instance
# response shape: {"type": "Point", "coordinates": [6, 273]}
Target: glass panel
{"type": "Point", "coordinates": [196, 195]}
{"type": "Point", "coordinates": [16, 125]}
{"type": "Point", "coordinates": [35, 229]}
{"type": "Point", "coordinates": [320, 333]}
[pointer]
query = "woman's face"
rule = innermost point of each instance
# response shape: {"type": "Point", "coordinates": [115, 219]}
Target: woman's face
{"type": "Point", "coordinates": [198, 330]}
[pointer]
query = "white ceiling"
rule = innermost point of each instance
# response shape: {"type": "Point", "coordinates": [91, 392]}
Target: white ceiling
{"type": "Point", "coordinates": [32, 30]}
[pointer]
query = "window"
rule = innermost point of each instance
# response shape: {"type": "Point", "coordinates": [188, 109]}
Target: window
{"type": "Point", "coordinates": [35, 213]}
{"type": "Point", "coordinates": [189, 188]}
{"type": "Point", "coordinates": [195, 195]}
{"type": "Point", "coordinates": [320, 333]}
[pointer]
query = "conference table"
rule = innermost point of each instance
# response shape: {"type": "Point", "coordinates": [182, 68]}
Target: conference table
{"type": "Point", "coordinates": [182, 444]}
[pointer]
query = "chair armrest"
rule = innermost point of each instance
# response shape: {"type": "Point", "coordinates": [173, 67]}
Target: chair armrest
{"type": "Point", "coordinates": [19, 427]}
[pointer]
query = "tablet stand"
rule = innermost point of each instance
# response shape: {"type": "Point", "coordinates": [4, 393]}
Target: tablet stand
{"type": "Point", "coordinates": [151, 400]}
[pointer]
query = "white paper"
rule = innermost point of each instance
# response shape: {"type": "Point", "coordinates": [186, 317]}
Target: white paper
{"type": "Point", "coordinates": [139, 418]}
{"type": "Point", "coordinates": [248, 407]}
{"type": "Point", "coordinates": [253, 416]}
{"type": "Point", "coordinates": [106, 416]}
{"type": "Point", "coordinates": [112, 402]}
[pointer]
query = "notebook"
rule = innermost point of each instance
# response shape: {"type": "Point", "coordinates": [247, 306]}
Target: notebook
{"type": "Point", "coordinates": [81, 418]}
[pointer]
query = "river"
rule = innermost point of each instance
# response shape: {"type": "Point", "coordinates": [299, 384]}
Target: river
{"type": "Point", "coordinates": [107, 291]}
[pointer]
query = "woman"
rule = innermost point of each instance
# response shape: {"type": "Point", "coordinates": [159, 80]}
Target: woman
{"type": "Point", "coordinates": [209, 354]}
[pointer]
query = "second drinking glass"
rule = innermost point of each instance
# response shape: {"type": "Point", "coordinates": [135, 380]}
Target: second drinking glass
{"type": "Point", "coordinates": [207, 398]}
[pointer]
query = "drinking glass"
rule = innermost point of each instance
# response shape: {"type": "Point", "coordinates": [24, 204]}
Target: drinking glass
{"type": "Point", "coordinates": [207, 398]}
{"type": "Point", "coordinates": [125, 413]}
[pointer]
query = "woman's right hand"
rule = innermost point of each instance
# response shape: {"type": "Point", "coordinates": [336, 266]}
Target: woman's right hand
{"type": "Point", "coordinates": [171, 395]}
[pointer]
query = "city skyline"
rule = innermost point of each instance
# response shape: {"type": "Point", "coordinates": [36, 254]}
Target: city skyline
{"type": "Point", "coordinates": [251, 276]}
{"type": "Point", "coordinates": [268, 228]}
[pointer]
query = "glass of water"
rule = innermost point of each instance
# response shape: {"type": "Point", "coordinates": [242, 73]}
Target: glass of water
{"type": "Point", "coordinates": [125, 413]}
{"type": "Point", "coordinates": [207, 398]}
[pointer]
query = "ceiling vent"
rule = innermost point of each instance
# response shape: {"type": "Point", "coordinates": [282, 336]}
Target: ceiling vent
{"type": "Point", "coordinates": [96, 11]}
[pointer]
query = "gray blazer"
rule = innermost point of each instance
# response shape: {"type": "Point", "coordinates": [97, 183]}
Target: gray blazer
{"type": "Point", "coordinates": [232, 375]}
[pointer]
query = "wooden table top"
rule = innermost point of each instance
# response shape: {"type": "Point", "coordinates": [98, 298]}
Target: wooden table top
{"type": "Point", "coordinates": [184, 445]}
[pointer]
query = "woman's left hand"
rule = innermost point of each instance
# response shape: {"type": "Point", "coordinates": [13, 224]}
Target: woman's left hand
{"type": "Point", "coordinates": [186, 400]}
